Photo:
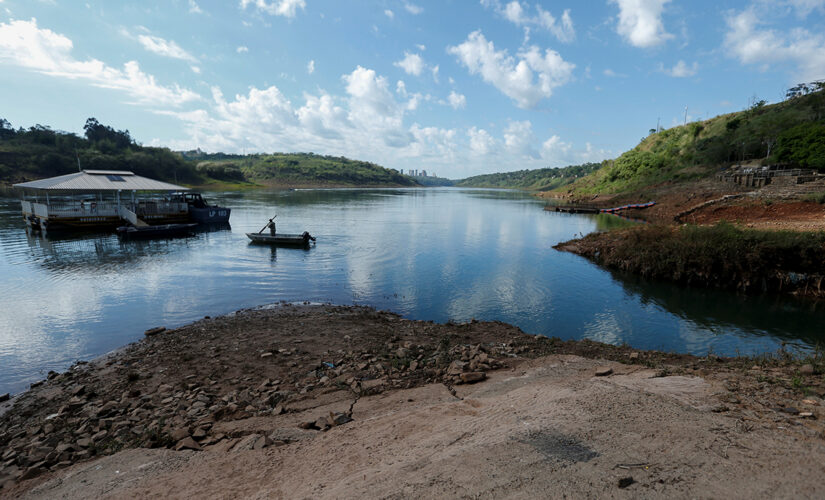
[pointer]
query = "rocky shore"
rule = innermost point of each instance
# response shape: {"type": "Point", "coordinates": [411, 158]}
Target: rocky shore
{"type": "Point", "coordinates": [257, 389]}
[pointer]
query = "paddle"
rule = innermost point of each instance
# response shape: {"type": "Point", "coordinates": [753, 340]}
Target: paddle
{"type": "Point", "coordinates": [267, 225]}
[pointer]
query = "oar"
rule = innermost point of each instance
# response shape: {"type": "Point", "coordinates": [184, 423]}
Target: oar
{"type": "Point", "coordinates": [267, 225]}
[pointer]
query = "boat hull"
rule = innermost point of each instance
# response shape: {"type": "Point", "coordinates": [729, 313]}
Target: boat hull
{"type": "Point", "coordinates": [298, 240]}
{"type": "Point", "coordinates": [209, 215]}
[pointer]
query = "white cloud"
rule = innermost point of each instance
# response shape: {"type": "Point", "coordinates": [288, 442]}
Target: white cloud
{"type": "Point", "coordinates": [194, 8]}
{"type": "Point", "coordinates": [640, 22]}
{"type": "Point", "coordinates": [612, 74]}
{"type": "Point", "coordinates": [413, 9]}
{"type": "Point", "coordinates": [456, 100]}
{"type": "Point", "coordinates": [421, 47]}
{"type": "Point", "coordinates": [242, 49]}
{"type": "Point", "coordinates": [195, 69]}
{"type": "Point", "coordinates": [311, 67]}
{"type": "Point", "coordinates": [412, 64]}
{"type": "Point", "coordinates": [389, 13]}
{"type": "Point", "coordinates": [372, 107]}
{"type": "Point", "coordinates": [514, 77]}
{"type": "Point", "coordinates": [681, 69]}
{"type": "Point", "coordinates": [23, 44]}
{"type": "Point", "coordinates": [434, 71]}
{"type": "Point", "coordinates": [514, 12]}
{"type": "Point", "coordinates": [554, 149]}
{"type": "Point", "coordinates": [481, 142]}
{"type": "Point", "coordinates": [286, 8]}
{"type": "Point", "coordinates": [165, 48]}
{"type": "Point", "coordinates": [518, 139]}
{"type": "Point", "coordinates": [751, 43]}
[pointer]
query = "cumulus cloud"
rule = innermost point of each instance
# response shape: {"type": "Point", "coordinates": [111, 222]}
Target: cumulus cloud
{"type": "Point", "coordinates": [751, 42]}
{"type": "Point", "coordinates": [242, 49]}
{"type": "Point", "coordinates": [640, 22]}
{"type": "Point", "coordinates": [311, 67]}
{"type": "Point", "coordinates": [194, 8]}
{"type": "Point", "coordinates": [527, 78]}
{"type": "Point", "coordinates": [165, 48]}
{"type": "Point", "coordinates": [286, 8]}
{"type": "Point", "coordinates": [805, 7]}
{"type": "Point", "coordinates": [681, 69]}
{"type": "Point", "coordinates": [24, 44]}
{"type": "Point", "coordinates": [389, 13]}
{"type": "Point", "coordinates": [518, 139]}
{"type": "Point", "coordinates": [456, 100]}
{"type": "Point", "coordinates": [481, 142]}
{"type": "Point", "coordinates": [515, 12]}
{"type": "Point", "coordinates": [412, 64]}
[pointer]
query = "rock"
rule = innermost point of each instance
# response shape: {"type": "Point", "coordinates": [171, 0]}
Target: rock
{"type": "Point", "coordinates": [473, 377]}
{"type": "Point", "coordinates": [413, 366]}
{"type": "Point", "coordinates": [279, 409]}
{"type": "Point", "coordinates": [78, 390]}
{"type": "Point", "coordinates": [456, 367]}
{"type": "Point", "coordinates": [84, 442]}
{"type": "Point", "coordinates": [788, 409]}
{"type": "Point", "coordinates": [307, 425]}
{"type": "Point", "coordinates": [187, 443]}
{"type": "Point", "coordinates": [806, 414]}
{"type": "Point", "coordinates": [179, 434]}
{"type": "Point", "coordinates": [199, 433]}
{"type": "Point", "coordinates": [807, 369]}
{"type": "Point", "coordinates": [604, 371]}
{"type": "Point", "coordinates": [100, 435]}
{"type": "Point", "coordinates": [322, 423]}
{"type": "Point", "coordinates": [252, 442]}
{"type": "Point", "coordinates": [338, 419]}
{"type": "Point", "coordinates": [4, 397]}
{"type": "Point", "coordinates": [33, 471]}
{"type": "Point", "coordinates": [266, 355]}
{"type": "Point", "coordinates": [154, 331]}
{"type": "Point", "coordinates": [625, 482]}
{"type": "Point", "coordinates": [634, 355]}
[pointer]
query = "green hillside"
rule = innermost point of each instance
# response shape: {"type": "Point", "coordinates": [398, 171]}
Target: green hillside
{"type": "Point", "coordinates": [543, 179]}
{"type": "Point", "coordinates": [295, 169]}
{"type": "Point", "coordinates": [40, 152]}
{"type": "Point", "coordinates": [791, 132]}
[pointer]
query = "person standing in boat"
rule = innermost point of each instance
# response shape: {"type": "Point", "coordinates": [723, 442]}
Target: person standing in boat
{"type": "Point", "coordinates": [271, 226]}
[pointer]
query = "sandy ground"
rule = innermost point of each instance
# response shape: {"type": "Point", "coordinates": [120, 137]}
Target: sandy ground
{"type": "Point", "coordinates": [542, 424]}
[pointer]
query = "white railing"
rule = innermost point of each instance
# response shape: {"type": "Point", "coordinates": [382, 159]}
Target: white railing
{"type": "Point", "coordinates": [26, 206]}
{"type": "Point", "coordinates": [82, 209]}
{"type": "Point", "coordinates": [40, 209]}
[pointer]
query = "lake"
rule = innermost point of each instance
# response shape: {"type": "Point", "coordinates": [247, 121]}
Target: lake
{"type": "Point", "coordinates": [433, 254]}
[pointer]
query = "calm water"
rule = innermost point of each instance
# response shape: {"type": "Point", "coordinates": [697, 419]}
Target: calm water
{"type": "Point", "coordinates": [433, 254]}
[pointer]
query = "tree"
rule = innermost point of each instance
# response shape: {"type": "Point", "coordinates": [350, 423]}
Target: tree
{"type": "Point", "coordinates": [6, 130]}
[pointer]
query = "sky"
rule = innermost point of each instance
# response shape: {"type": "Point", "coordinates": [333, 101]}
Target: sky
{"type": "Point", "coordinates": [454, 87]}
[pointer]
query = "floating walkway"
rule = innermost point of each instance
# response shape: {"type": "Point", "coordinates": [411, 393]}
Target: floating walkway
{"type": "Point", "coordinates": [582, 209]}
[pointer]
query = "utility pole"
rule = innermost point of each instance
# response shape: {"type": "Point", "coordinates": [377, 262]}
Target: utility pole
{"type": "Point", "coordinates": [657, 124]}
{"type": "Point", "coordinates": [686, 115]}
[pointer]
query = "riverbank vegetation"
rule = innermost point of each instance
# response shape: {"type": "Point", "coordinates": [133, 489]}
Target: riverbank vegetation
{"type": "Point", "coordinates": [543, 179]}
{"type": "Point", "coordinates": [722, 256]}
{"type": "Point", "coordinates": [39, 152]}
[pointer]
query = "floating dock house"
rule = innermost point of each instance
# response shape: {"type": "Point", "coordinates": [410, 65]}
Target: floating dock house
{"type": "Point", "coordinates": [95, 199]}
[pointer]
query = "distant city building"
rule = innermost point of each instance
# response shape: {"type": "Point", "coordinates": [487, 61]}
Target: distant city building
{"type": "Point", "coordinates": [423, 173]}
{"type": "Point", "coordinates": [402, 171]}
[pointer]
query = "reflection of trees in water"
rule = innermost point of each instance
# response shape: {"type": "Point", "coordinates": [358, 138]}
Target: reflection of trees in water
{"type": "Point", "coordinates": [786, 318]}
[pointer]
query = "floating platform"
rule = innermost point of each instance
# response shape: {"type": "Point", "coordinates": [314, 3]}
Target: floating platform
{"type": "Point", "coordinates": [583, 209]}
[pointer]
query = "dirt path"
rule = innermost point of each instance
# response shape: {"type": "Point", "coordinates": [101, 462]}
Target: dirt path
{"type": "Point", "coordinates": [541, 424]}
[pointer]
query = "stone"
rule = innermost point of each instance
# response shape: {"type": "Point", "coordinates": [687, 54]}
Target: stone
{"type": "Point", "coordinates": [279, 409]}
{"type": "Point", "coordinates": [99, 436]}
{"type": "Point", "coordinates": [634, 355]}
{"type": "Point", "coordinates": [187, 443]}
{"type": "Point", "coordinates": [473, 377]}
{"type": "Point", "coordinates": [413, 366]}
{"type": "Point", "coordinates": [78, 390]}
{"type": "Point", "coordinates": [625, 482]}
{"type": "Point", "coordinates": [456, 367]}
{"type": "Point", "coordinates": [4, 397]}
{"type": "Point", "coordinates": [252, 442]}
{"type": "Point", "coordinates": [603, 371]}
{"type": "Point", "coordinates": [84, 442]}
{"type": "Point", "coordinates": [154, 331]}
{"type": "Point", "coordinates": [807, 369]}
{"type": "Point", "coordinates": [199, 433]}
{"type": "Point", "coordinates": [266, 355]}
{"type": "Point", "coordinates": [33, 471]}
{"type": "Point", "coordinates": [179, 434]}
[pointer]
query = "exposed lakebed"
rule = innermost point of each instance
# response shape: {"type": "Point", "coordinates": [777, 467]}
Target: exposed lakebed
{"type": "Point", "coordinates": [431, 254]}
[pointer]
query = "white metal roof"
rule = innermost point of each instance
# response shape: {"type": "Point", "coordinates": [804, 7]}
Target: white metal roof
{"type": "Point", "coordinates": [100, 180]}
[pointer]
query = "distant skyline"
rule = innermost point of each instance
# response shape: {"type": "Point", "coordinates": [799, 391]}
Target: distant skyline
{"type": "Point", "coordinates": [459, 87]}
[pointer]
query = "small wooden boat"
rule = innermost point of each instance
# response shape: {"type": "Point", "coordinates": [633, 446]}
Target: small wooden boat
{"type": "Point", "coordinates": [159, 231]}
{"type": "Point", "coordinates": [302, 240]}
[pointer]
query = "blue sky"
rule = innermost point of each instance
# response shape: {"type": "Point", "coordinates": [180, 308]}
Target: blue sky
{"type": "Point", "coordinates": [456, 87]}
